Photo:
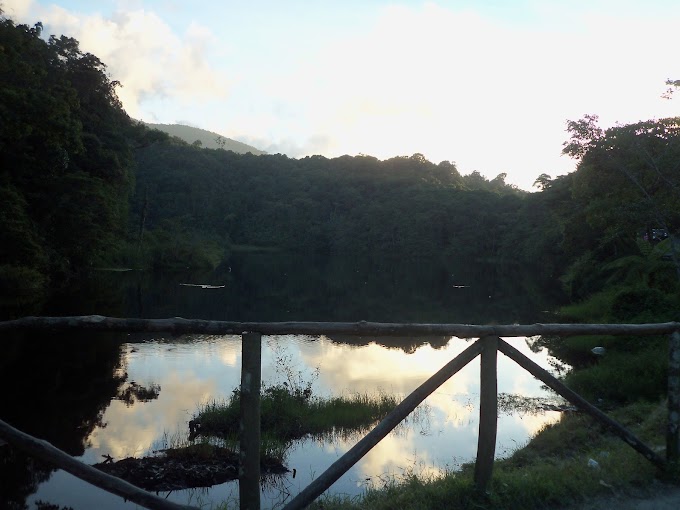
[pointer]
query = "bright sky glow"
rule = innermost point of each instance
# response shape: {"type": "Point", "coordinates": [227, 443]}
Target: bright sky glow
{"type": "Point", "coordinates": [488, 85]}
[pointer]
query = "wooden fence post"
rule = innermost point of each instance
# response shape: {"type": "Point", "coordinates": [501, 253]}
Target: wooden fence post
{"type": "Point", "coordinates": [251, 378]}
{"type": "Point", "coordinates": [488, 413]}
{"type": "Point", "coordinates": [672, 439]}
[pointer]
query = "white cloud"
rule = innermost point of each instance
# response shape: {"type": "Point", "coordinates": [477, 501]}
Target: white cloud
{"type": "Point", "coordinates": [423, 80]}
{"type": "Point", "coordinates": [141, 51]}
{"type": "Point", "coordinates": [457, 86]}
{"type": "Point", "coordinates": [18, 9]}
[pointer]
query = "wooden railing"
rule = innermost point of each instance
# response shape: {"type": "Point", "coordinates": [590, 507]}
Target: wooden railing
{"type": "Point", "coordinates": [487, 346]}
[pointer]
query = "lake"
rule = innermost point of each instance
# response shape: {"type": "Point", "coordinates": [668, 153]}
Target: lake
{"type": "Point", "coordinates": [125, 395]}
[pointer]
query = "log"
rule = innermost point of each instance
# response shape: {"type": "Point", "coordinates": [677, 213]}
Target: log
{"type": "Point", "coordinates": [403, 409]}
{"type": "Point", "coordinates": [249, 455]}
{"type": "Point", "coordinates": [488, 413]}
{"type": "Point", "coordinates": [45, 451]}
{"type": "Point", "coordinates": [179, 326]}
{"type": "Point", "coordinates": [580, 402]}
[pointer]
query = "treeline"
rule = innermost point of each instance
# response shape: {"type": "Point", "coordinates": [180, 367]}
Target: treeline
{"type": "Point", "coordinates": [404, 207]}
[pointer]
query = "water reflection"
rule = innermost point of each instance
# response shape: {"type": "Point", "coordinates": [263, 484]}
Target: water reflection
{"type": "Point", "coordinates": [59, 395]}
{"type": "Point", "coordinates": [194, 369]}
{"type": "Point", "coordinates": [276, 287]}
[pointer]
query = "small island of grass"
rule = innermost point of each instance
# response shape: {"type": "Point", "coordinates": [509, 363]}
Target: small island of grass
{"type": "Point", "coordinates": [290, 412]}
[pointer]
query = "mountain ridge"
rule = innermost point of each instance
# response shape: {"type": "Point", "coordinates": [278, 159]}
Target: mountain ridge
{"type": "Point", "coordinates": [208, 139]}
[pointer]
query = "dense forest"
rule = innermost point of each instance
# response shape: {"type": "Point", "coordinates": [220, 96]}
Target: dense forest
{"type": "Point", "coordinates": [66, 159]}
{"type": "Point", "coordinates": [84, 186]}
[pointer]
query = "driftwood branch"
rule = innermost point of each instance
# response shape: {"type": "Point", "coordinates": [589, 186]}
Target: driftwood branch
{"type": "Point", "coordinates": [179, 325]}
{"type": "Point", "coordinates": [45, 451]}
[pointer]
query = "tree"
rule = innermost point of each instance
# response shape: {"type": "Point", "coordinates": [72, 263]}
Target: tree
{"type": "Point", "coordinates": [584, 135]}
{"type": "Point", "coordinates": [626, 178]}
{"type": "Point", "coordinates": [543, 182]}
{"type": "Point", "coordinates": [65, 154]}
{"type": "Point", "coordinates": [673, 85]}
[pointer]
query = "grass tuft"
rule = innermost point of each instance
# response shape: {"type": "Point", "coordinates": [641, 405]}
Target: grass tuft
{"type": "Point", "coordinates": [287, 414]}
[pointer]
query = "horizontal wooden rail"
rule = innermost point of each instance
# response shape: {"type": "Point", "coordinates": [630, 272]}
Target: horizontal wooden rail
{"type": "Point", "coordinates": [179, 325]}
{"type": "Point", "coordinates": [45, 451]}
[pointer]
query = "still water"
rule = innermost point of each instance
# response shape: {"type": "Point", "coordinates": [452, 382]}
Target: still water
{"type": "Point", "coordinates": [81, 392]}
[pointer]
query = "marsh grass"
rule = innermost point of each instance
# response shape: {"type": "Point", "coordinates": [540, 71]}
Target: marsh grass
{"type": "Point", "coordinates": [287, 414]}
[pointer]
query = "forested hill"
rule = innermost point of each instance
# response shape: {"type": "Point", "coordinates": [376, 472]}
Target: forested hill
{"type": "Point", "coordinates": [204, 138]}
{"type": "Point", "coordinates": [189, 199]}
{"type": "Point", "coordinates": [84, 186]}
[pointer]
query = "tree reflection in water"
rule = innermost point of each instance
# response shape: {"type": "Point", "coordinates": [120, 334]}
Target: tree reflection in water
{"type": "Point", "coordinates": [57, 387]}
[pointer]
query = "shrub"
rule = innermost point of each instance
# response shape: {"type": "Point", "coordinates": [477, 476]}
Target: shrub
{"type": "Point", "coordinates": [623, 377]}
{"type": "Point", "coordinates": [20, 282]}
{"type": "Point", "coordinates": [641, 304]}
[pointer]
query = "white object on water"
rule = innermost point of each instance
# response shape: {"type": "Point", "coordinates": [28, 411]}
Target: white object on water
{"type": "Point", "coordinates": [592, 463]}
{"type": "Point", "coordinates": [598, 351]}
{"type": "Point", "coordinates": [203, 286]}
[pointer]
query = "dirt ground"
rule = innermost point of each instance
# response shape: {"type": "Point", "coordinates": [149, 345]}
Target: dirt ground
{"type": "Point", "coordinates": [660, 497]}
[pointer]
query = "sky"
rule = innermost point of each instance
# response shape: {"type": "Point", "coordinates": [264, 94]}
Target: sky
{"type": "Point", "coordinates": [485, 84]}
